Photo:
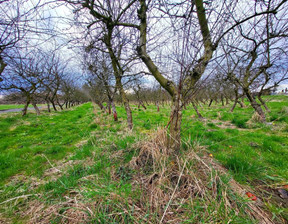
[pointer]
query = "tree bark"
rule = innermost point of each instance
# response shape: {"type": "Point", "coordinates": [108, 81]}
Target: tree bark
{"type": "Point", "coordinates": [125, 102]}
{"type": "Point", "coordinates": [263, 103]}
{"type": "Point", "coordinates": [236, 100]}
{"type": "Point", "coordinates": [227, 100]}
{"type": "Point", "coordinates": [35, 107]}
{"type": "Point", "coordinates": [174, 140]}
{"type": "Point", "coordinates": [210, 103]}
{"type": "Point", "coordinates": [196, 109]}
{"type": "Point", "coordinates": [59, 104]}
{"type": "Point", "coordinates": [48, 106]}
{"type": "Point", "coordinates": [109, 107]}
{"type": "Point", "coordinates": [255, 105]}
{"type": "Point", "coordinates": [24, 111]}
{"type": "Point", "coordinates": [53, 105]}
{"type": "Point", "coordinates": [234, 105]}
{"type": "Point", "coordinates": [114, 111]}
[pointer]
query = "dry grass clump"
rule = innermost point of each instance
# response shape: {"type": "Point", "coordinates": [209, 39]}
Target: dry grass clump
{"type": "Point", "coordinates": [256, 118]}
{"type": "Point", "coordinates": [71, 211]}
{"type": "Point", "coordinates": [153, 154]}
{"type": "Point", "coordinates": [170, 183]}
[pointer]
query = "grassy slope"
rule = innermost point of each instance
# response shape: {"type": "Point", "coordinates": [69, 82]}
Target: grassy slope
{"type": "Point", "coordinates": [97, 168]}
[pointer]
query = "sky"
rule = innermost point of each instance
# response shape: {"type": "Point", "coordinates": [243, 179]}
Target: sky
{"type": "Point", "coordinates": [62, 27]}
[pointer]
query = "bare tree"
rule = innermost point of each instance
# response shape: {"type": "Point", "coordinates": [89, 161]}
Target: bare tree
{"type": "Point", "coordinates": [253, 57]}
{"type": "Point", "coordinates": [189, 34]}
{"type": "Point", "coordinates": [190, 74]}
{"type": "Point", "coordinates": [15, 15]}
{"type": "Point", "coordinates": [25, 74]}
{"type": "Point", "coordinates": [53, 79]}
{"type": "Point", "coordinates": [106, 28]}
{"type": "Point", "coordinates": [101, 71]}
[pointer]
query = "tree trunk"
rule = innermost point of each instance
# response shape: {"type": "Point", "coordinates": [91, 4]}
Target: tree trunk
{"type": "Point", "coordinates": [48, 106]}
{"type": "Point", "coordinates": [125, 102]}
{"type": "Point", "coordinates": [114, 111]}
{"type": "Point", "coordinates": [241, 103]}
{"type": "Point", "coordinates": [263, 103]}
{"type": "Point", "coordinates": [222, 100]}
{"type": "Point", "coordinates": [100, 105]}
{"type": "Point", "coordinates": [196, 109]}
{"type": "Point", "coordinates": [142, 104]}
{"type": "Point", "coordinates": [255, 105]}
{"type": "Point", "coordinates": [59, 104]}
{"type": "Point", "coordinates": [234, 105]}
{"type": "Point", "coordinates": [24, 111]}
{"type": "Point", "coordinates": [147, 103]}
{"type": "Point", "coordinates": [109, 108]}
{"type": "Point", "coordinates": [174, 137]}
{"type": "Point", "coordinates": [53, 105]}
{"type": "Point", "coordinates": [227, 100]}
{"type": "Point", "coordinates": [35, 107]}
{"type": "Point", "coordinates": [129, 115]}
{"type": "Point", "coordinates": [210, 103]}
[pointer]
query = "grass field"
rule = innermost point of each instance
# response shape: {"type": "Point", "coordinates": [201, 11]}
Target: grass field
{"type": "Point", "coordinates": [12, 106]}
{"type": "Point", "coordinates": [79, 164]}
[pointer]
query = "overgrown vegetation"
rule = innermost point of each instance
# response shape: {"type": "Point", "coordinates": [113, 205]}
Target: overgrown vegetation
{"type": "Point", "coordinates": [79, 166]}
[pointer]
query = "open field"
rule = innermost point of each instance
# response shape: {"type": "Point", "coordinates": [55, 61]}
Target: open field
{"type": "Point", "coordinates": [79, 166]}
{"type": "Point", "coordinates": [12, 106]}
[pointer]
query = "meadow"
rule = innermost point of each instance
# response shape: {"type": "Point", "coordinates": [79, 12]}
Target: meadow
{"type": "Point", "coordinates": [79, 166]}
{"type": "Point", "coordinates": [12, 106]}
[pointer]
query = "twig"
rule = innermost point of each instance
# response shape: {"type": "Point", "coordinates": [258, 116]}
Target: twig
{"type": "Point", "coordinates": [51, 163]}
{"type": "Point", "coordinates": [168, 204]}
{"type": "Point", "coordinates": [22, 196]}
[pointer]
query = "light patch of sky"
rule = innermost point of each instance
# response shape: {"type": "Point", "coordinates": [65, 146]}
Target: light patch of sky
{"type": "Point", "coordinates": [51, 29]}
{"type": "Point", "coordinates": [57, 20]}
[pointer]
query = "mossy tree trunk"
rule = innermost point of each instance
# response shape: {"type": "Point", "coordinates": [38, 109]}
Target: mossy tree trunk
{"type": "Point", "coordinates": [174, 140]}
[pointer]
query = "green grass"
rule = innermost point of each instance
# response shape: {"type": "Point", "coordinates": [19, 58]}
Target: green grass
{"type": "Point", "coordinates": [92, 154]}
{"type": "Point", "coordinates": [24, 140]}
{"type": "Point", "coordinates": [12, 106]}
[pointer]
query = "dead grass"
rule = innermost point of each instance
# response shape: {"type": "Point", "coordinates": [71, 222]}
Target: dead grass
{"type": "Point", "coordinates": [224, 124]}
{"type": "Point", "coordinates": [168, 184]}
{"type": "Point", "coordinates": [256, 118]}
{"type": "Point", "coordinates": [70, 211]}
{"type": "Point", "coordinates": [57, 170]}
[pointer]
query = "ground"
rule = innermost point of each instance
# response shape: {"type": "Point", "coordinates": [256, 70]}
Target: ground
{"type": "Point", "coordinates": [79, 166]}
